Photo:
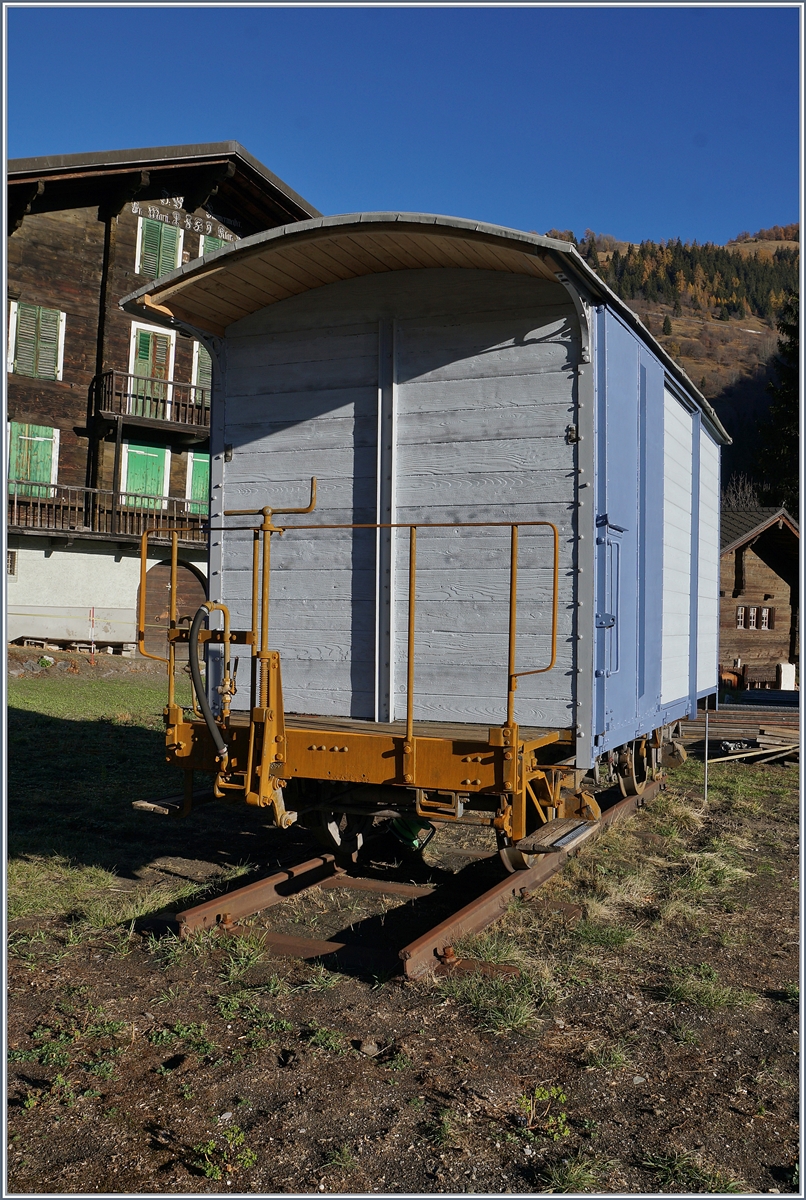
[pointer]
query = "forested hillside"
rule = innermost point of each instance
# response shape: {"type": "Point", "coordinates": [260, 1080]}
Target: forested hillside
{"type": "Point", "coordinates": [714, 309]}
{"type": "Point", "coordinates": [703, 278]}
{"type": "Point", "coordinates": [724, 281]}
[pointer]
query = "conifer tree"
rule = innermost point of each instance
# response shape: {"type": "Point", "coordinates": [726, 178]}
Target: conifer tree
{"type": "Point", "coordinates": [667, 325]}
{"type": "Point", "coordinates": [779, 449]}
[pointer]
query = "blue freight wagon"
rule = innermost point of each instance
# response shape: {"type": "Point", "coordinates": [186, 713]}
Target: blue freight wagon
{"type": "Point", "coordinates": [506, 570]}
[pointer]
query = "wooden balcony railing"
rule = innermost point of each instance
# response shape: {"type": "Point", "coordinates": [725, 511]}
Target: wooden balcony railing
{"type": "Point", "coordinates": [156, 399]}
{"type": "Point", "coordinates": [56, 508]}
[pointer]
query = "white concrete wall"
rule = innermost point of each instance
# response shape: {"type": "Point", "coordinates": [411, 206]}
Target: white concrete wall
{"type": "Point", "coordinates": [56, 587]}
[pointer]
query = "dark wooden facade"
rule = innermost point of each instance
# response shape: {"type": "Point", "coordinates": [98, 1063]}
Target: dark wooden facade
{"type": "Point", "coordinates": [759, 595]}
{"type": "Point", "coordinates": [73, 244]}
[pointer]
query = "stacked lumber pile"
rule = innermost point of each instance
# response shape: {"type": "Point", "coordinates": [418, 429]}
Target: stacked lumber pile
{"type": "Point", "coordinates": [750, 736]}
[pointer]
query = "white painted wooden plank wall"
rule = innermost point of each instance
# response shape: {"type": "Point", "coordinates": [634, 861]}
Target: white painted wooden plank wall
{"type": "Point", "coordinates": [708, 567]}
{"type": "Point", "coordinates": [482, 392]}
{"type": "Point", "coordinates": [677, 475]}
{"type": "Point", "coordinates": [468, 462]}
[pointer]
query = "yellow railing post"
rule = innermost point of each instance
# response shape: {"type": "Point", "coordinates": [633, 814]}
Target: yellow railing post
{"type": "Point", "coordinates": [172, 620]}
{"type": "Point", "coordinates": [410, 638]}
{"type": "Point", "coordinates": [512, 680]}
{"type": "Point", "coordinates": [263, 699]}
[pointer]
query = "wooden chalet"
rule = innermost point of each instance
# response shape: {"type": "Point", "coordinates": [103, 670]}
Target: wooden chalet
{"type": "Point", "coordinates": [108, 416]}
{"type": "Point", "coordinates": [759, 598]}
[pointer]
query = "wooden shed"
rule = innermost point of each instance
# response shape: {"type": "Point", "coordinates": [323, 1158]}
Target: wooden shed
{"type": "Point", "coordinates": [759, 598]}
{"type": "Point", "coordinates": [441, 372]}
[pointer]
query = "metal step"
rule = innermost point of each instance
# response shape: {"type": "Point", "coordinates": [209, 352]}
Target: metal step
{"type": "Point", "coordinates": [170, 806]}
{"type": "Point", "coordinates": [557, 835]}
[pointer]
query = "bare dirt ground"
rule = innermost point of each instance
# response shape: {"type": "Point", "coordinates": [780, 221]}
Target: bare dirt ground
{"type": "Point", "coordinates": [650, 1046]}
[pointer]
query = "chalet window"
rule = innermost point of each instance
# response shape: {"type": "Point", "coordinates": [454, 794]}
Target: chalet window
{"type": "Point", "coordinates": [768, 618]}
{"type": "Point", "coordinates": [208, 244]}
{"type": "Point", "coordinates": [11, 563]}
{"type": "Point", "coordinates": [35, 341]}
{"type": "Point", "coordinates": [151, 360]}
{"type": "Point", "coordinates": [752, 618]}
{"type": "Point", "coordinates": [740, 617]}
{"type": "Point", "coordinates": [197, 488]}
{"type": "Point", "coordinates": [145, 475]}
{"type": "Point", "coordinates": [202, 374]}
{"type": "Point", "coordinates": [33, 458]}
{"type": "Point", "coordinates": [159, 248]}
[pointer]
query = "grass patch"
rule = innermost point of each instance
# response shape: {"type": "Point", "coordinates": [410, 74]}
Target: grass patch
{"type": "Point", "coordinates": [687, 1171]}
{"type": "Point", "coordinates": [501, 1003]}
{"type": "Point", "coordinates": [612, 937]}
{"type": "Point", "coordinates": [440, 1131]}
{"type": "Point", "coordinates": [607, 1056]}
{"type": "Point", "coordinates": [583, 1173]}
{"type": "Point", "coordinates": [496, 945]}
{"type": "Point", "coordinates": [341, 1159]}
{"type": "Point", "coordinates": [80, 751]}
{"type": "Point", "coordinates": [326, 1039]}
{"type": "Point", "coordinates": [700, 987]}
{"type": "Point", "coordinates": [245, 952]}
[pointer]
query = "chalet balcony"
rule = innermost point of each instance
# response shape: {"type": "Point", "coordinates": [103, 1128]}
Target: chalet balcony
{"type": "Point", "coordinates": [89, 513]}
{"type": "Point", "coordinates": [182, 408]}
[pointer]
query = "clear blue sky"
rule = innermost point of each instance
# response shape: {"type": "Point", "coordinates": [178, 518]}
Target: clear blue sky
{"type": "Point", "coordinates": [640, 122]}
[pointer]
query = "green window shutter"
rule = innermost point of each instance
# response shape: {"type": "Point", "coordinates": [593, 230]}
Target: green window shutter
{"type": "Point", "coordinates": [31, 456]}
{"type": "Point", "coordinates": [169, 242]}
{"type": "Point", "coordinates": [25, 344]}
{"type": "Point", "coordinates": [150, 240]}
{"type": "Point", "coordinates": [145, 473]}
{"type": "Point", "coordinates": [142, 353]}
{"type": "Point", "coordinates": [47, 365]}
{"type": "Point", "coordinates": [204, 375]}
{"type": "Point", "coordinates": [36, 347]}
{"type": "Point", "coordinates": [160, 356]}
{"type": "Point", "coordinates": [199, 484]}
{"type": "Point", "coordinates": [152, 360]}
{"type": "Point", "coordinates": [211, 244]}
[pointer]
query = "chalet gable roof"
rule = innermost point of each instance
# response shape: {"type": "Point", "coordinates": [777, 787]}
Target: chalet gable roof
{"type": "Point", "coordinates": [244, 193]}
{"type": "Point", "coordinates": [741, 525]}
{"type": "Point", "coordinates": [214, 292]}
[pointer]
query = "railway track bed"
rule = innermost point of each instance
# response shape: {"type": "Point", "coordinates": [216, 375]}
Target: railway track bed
{"type": "Point", "coordinates": [437, 911]}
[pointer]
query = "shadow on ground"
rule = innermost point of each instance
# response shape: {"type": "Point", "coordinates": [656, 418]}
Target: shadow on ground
{"type": "Point", "coordinates": [71, 785]}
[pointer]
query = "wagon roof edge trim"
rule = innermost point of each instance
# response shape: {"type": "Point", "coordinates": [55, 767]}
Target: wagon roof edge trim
{"type": "Point", "coordinates": [174, 283]}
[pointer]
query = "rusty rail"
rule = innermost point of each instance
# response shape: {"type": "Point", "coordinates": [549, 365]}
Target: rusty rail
{"type": "Point", "coordinates": [432, 950]}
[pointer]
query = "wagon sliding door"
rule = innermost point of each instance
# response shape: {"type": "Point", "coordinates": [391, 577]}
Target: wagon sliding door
{"type": "Point", "coordinates": [628, 548]}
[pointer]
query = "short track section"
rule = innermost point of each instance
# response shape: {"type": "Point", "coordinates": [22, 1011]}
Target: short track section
{"type": "Point", "coordinates": [433, 950]}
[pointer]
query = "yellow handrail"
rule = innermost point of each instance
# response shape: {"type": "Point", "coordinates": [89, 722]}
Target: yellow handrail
{"type": "Point", "coordinates": [260, 590]}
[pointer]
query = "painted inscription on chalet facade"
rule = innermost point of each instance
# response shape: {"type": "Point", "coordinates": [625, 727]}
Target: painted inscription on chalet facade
{"type": "Point", "coordinates": [170, 212]}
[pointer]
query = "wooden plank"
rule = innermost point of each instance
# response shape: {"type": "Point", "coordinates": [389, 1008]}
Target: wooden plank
{"type": "Point", "coordinates": [474, 456]}
{"type": "Point", "coordinates": [357, 371]}
{"type": "Point", "coordinates": [319, 344]}
{"type": "Point", "coordinates": [563, 834]}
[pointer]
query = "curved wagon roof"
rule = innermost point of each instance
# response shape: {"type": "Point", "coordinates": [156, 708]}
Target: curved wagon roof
{"type": "Point", "coordinates": [211, 293]}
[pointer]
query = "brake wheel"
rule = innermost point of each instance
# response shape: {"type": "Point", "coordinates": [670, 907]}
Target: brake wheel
{"type": "Point", "coordinates": [513, 858]}
{"type": "Point", "coordinates": [634, 767]}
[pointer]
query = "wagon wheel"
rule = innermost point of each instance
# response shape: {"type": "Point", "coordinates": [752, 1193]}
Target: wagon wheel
{"type": "Point", "coordinates": [513, 858]}
{"type": "Point", "coordinates": [634, 767]}
{"type": "Point", "coordinates": [343, 834]}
